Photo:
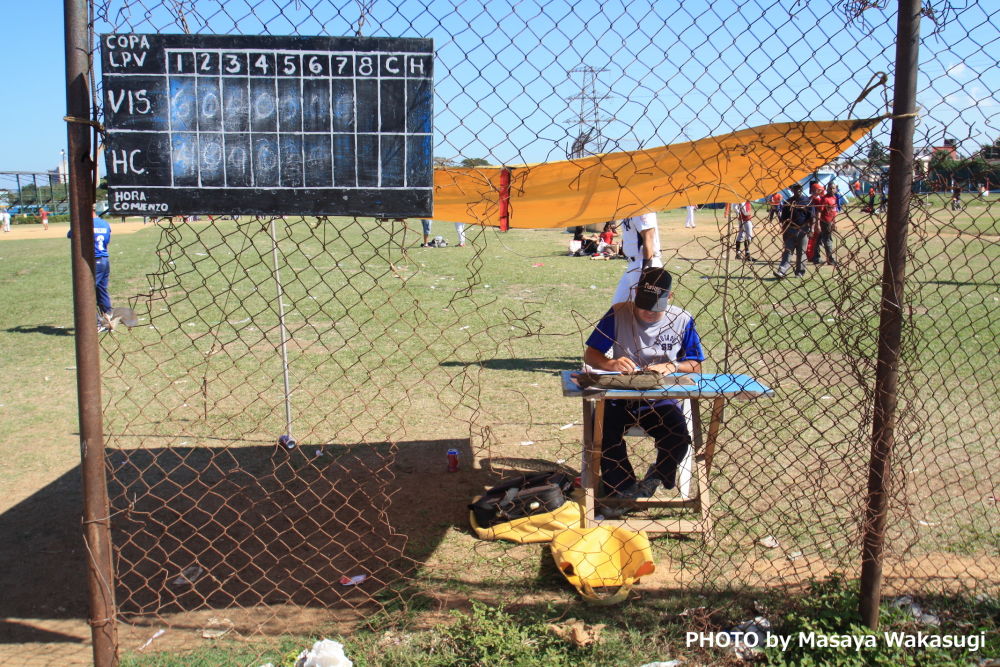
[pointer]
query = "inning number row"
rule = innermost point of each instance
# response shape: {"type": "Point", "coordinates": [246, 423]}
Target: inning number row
{"type": "Point", "coordinates": [278, 63]}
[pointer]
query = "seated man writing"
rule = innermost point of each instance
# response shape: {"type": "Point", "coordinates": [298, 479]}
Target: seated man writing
{"type": "Point", "coordinates": [646, 333]}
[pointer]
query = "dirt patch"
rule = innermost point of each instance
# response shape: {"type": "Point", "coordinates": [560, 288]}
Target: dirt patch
{"type": "Point", "coordinates": [794, 367]}
{"type": "Point", "coordinates": [58, 230]}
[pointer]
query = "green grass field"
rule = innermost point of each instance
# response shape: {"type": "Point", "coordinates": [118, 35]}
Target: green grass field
{"type": "Point", "coordinates": [397, 353]}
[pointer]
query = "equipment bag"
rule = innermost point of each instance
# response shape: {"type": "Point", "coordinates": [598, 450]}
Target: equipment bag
{"type": "Point", "coordinates": [521, 496]}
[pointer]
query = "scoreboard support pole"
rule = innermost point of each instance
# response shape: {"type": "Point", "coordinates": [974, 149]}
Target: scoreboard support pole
{"type": "Point", "coordinates": [283, 332]}
{"type": "Point", "coordinates": [96, 507]}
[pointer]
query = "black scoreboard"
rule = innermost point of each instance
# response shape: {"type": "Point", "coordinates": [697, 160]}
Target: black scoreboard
{"type": "Point", "coordinates": [268, 125]}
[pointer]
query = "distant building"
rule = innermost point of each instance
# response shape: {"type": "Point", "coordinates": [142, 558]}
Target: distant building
{"type": "Point", "coordinates": [991, 153]}
{"type": "Point", "coordinates": [949, 146]}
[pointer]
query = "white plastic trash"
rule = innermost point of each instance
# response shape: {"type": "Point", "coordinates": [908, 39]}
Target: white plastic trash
{"type": "Point", "coordinates": [324, 653]}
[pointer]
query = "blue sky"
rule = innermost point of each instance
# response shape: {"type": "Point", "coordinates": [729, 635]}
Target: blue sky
{"type": "Point", "coordinates": [672, 71]}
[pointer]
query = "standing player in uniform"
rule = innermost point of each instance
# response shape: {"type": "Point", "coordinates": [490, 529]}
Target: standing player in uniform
{"type": "Point", "coordinates": [5, 218]}
{"type": "Point", "coordinates": [44, 215]}
{"type": "Point", "coordinates": [825, 207]}
{"type": "Point", "coordinates": [689, 220]}
{"type": "Point", "coordinates": [641, 246]}
{"type": "Point", "coordinates": [797, 223]}
{"type": "Point", "coordinates": [744, 218]}
{"type": "Point", "coordinates": [102, 271]}
{"type": "Point", "coordinates": [774, 206]}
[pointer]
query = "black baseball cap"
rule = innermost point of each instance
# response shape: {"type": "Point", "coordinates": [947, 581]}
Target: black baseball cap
{"type": "Point", "coordinates": [653, 290]}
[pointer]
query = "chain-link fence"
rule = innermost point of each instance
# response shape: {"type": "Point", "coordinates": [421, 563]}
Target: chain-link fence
{"type": "Point", "coordinates": [377, 356]}
{"type": "Point", "coordinates": [24, 193]}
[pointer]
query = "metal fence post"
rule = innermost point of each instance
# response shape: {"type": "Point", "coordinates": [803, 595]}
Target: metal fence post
{"type": "Point", "coordinates": [96, 508]}
{"type": "Point", "coordinates": [891, 311]}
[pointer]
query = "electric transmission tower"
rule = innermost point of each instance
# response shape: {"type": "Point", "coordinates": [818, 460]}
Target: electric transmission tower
{"type": "Point", "coordinates": [589, 121]}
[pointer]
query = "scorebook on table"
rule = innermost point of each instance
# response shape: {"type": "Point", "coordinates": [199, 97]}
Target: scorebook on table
{"type": "Point", "coordinates": [236, 124]}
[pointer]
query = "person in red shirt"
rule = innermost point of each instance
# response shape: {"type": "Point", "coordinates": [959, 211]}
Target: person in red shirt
{"type": "Point", "coordinates": [44, 215]}
{"type": "Point", "coordinates": [606, 241]}
{"type": "Point", "coordinates": [774, 206]}
{"type": "Point", "coordinates": [608, 233]}
{"type": "Point", "coordinates": [825, 206]}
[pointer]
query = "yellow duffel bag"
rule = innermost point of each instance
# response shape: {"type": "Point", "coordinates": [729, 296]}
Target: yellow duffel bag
{"type": "Point", "coordinates": [602, 563]}
{"type": "Point", "coordinates": [535, 528]}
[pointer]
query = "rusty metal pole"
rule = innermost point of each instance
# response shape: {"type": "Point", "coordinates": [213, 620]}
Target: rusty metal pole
{"type": "Point", "coordinates": [96, 509]}
{"type": "Point", "coordinates": [904, 106]}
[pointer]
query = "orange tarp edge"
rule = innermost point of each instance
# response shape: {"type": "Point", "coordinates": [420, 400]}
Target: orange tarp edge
{"type": "Point", "coordinates": [748, 164]}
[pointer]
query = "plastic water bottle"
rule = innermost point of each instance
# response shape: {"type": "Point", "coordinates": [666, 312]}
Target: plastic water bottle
{"type": "Point", "coordinates": [452, 460]}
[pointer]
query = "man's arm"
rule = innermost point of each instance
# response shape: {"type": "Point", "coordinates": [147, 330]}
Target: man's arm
{"type": "Point", "coordinates": [667, 367]}
{"type": "Point", "coordinates": [596, 359]}
{"type": "Point", "coordinates": [648, 238]}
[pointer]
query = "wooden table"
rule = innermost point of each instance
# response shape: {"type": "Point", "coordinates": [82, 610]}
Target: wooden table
{"type": "Point", "coordinates": [715, 387]}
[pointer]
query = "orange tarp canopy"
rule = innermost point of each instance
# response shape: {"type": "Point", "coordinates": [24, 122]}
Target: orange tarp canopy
{"type": "Point", "coordinates": [744, 165]}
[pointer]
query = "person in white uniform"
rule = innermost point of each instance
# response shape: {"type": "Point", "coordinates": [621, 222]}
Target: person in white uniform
{"type": "Point", "coordinates": [744, 234]}
{"type": "Point", "coordinates": [641, 247]}
{"type": "Point", "coordinates": [689, 221]}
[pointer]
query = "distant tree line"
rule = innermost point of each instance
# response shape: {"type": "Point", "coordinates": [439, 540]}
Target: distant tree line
{"type": "Point", "coordinates": [981, 167]}
{"type": "Point", "coordinates": [467, 162]}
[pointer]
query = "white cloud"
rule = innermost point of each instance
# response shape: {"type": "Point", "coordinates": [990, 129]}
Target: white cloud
{"type": "Point", "coordinates": [957, 70]}
{"type": "Point", "coordinates": [981, 98]}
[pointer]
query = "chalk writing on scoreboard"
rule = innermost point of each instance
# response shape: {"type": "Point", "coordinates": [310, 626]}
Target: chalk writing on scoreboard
{"type": "Point", "coordinates": [268, 125]}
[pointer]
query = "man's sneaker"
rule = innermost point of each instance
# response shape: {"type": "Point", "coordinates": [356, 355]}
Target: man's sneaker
{"type": "Point", "coordinates": [747, 258]}
{"type": "Point", "coordinates": [832, 263]}
{"type": "Point", "coordinates": [800, 274]}
{"type": "Point", "coordinates": [628, 492]}
{"type": "Point", "coordinates": [648, 487]}
{"type": "Point", "coordinates": [644, 489]}
{"type": "Point", "coordinates": [779, 274]}
{"type": "Point", "coordinates": [739, 254]}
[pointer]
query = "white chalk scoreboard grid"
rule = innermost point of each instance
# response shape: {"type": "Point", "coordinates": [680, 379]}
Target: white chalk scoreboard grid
{"type": "Point", "coordinates": [263, 125]}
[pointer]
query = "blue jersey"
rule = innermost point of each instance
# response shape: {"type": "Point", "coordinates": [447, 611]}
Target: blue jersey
{"type": "Point", "coordinates": [102, 237]}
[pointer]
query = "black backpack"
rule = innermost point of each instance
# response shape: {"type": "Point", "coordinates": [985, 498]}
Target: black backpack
{"type": "Point", "coordinates": [520, 496]}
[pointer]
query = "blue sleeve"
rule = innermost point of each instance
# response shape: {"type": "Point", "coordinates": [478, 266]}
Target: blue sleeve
{"type": "Point", "coordinates": [603, 337]}
{"type": "Point", "coordinates": [690, 345]}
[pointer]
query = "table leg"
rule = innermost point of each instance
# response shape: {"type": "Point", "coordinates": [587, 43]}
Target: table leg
{"type": "Point", "coordinates": [705, 468]}
{"type": "Point", "coordinates": [704, 502]}
{"type": "Point", "coordinates": [713, 432]}
{"type": "Point", "coordinates": [696, 439]}
{"type": "Point", "coordinates": [593, 424]}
